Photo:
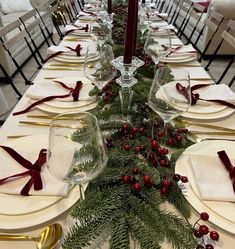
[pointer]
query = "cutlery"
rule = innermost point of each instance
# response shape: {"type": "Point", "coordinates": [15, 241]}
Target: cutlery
{"type": "Point", "coordinates": [51, 117]}
{"type": "Point", "coordinates": [219, 133]}
{"type": "Point", "coordinates": [194, 138]}
{"type": "Point", "coordinates": [75, 39]}
{"type": "Point", "coordinates": [50, 78]}
{"type": "Point", "coordinates": [60, 68]}
{"type": "Point", "coordinates": [194, 78]}
{"type": "Point", "coordinates": [49, 124]}
{"type": "Point", "coordinates": [49, 238]}
{"type": "Point", "coordinates": [184, 65]}
{"type": "Point", "coordinates": [216, 127]}
{"type": "Point", "coordinates": [66, 64]}
{"type": "Point", "coordinates": [17, 136]}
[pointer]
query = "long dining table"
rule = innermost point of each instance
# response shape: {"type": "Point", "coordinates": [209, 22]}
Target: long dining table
{"type": "Point", "coordinates": [14, 128]}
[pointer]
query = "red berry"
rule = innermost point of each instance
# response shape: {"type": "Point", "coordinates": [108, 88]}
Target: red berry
{"type": "Point", "coordinates": [209, 246]}
{"type": "Point", "coordinates": [179, 138]}
{"type": "Point", "coordinates": [125, 126]}
{"type": "Point", "coordinates": [141, 130]}
{"type": "Point", "coordinates": [155, 163]}
{"type": "Point", "coordinates": [204, 216]}
{"type": "Point", "coordinates": [164, 151]}
{"type": "Point", "coordinates": [180, 130]}
{"type": "Point", "coordinates": [135, 171]}
{"type": "Point", "coordinates": [163, 163]}
{"type": "Point", "coordinates": [160, 133]}
{"type": "Point", "coordinates": [147, 179]}
{"type": "Point", "coordinates": [203, 229]}
{"type": "Point", "coordinates": [154, 144]}
{"type": "Point", "coordinates": [164, 190]}
{"type": "Point", "coordinates": [136, 186]}
{"type": "Point", "coordinates": [126, 147]}
{"type": "Point", "coordinates": [137, 149]}
{"type": "Point", "coordinates": [142, 147]}
{"type": "Point", "coordinates": [197, 233]}
{"type": "Point", "coordinates": [176, 177]}
{"type": "Point", "coordinates": [151, 155]}
{"type": "Point", "coordinates": [170, 141]}
{"type": "Point", "coordinates": [126, 179]}
{"type": "Point", "coordinates": [214, 235]}
{"type": "Point", "coordinates": [184, 179]}
{"type": "Point", "coordinates": [134, 130]}
{"type": "Point", "coordinates": [166, 183]}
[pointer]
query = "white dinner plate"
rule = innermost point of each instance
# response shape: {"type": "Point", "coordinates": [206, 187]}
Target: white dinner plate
{"type": "Point", "coordinates": [221, 213]}
{"type": "Point", "coordinates": [20, 205]}
{"type": "Point", "coordinates": [206, 109]}
{"type": "Point", "coordinates": [180, 58]}
{"type": "Point", "coordinates": [74, 59]}
{"type": "Point", "coordinates": [55, 110]}
{"type": "Point", "coordinates": [209, 116]}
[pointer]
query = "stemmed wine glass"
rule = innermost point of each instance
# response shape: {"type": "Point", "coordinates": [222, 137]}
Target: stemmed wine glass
{"type": "Point", "coordinates": [76, 150]}
{"type": "Point", "coordinates": [97, 66]}
{"type": "Point", "coordinates": [158, 44]}
{"type": "Point", "coordinates": [170, 94]}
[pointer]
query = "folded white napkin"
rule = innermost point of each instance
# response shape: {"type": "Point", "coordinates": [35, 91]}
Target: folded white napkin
{"type": "Point", "coordinates": [211, 177]}
{"type": "Point", "coordinates": [163, 25]}
{"type": "Point", "coordinates": [54, 49]}
{"type": "Point", "coordinates": [158, 16]}
{"type": "Point", "coordinates": [49, 89]}
{"type": "Point", "coordinates": [8, 166]}
{"type": "Point", "coordinates": [221, 91]}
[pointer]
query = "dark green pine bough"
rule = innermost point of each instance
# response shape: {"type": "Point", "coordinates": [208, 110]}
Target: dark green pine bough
{"type": "Point", "coordinates": [125, 203]}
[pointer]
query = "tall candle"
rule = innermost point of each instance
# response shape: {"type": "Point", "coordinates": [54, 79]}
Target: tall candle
{"type": "Point", "coordinates": [130, 30]}
{"type": "Point", "coordinates": [109, 6]}
{"type": "Point", "coordinates": [135, 28]}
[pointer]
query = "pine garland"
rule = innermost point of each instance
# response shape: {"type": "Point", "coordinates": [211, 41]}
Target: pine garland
{"type": "Point", "coordinates": [127, 197]}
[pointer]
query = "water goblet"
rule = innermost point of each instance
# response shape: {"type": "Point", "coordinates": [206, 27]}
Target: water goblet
{"type": "Point", "coordinates": [170, 94]}
{"type": "Point", "coordinates": [97, 66]}
{"type": "Point", "coordinates": [76, 150]}
{"type": "Point", "coordinates": [158, 44]}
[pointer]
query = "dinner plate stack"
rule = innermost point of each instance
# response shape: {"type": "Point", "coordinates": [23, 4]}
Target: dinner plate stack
{"type": "Point", "coordinates": [60, 105]}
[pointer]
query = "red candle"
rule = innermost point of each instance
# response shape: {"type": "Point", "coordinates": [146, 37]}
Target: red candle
{"type": "Point", "coordinates": [135, 29]}
{"type": "Point", "coordinates": [131, 26]}
{"type": "Point", "coordinates": [109, 6]}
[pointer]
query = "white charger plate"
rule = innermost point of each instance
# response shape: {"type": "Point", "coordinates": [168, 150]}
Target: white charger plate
{"type": "Point", "coordinates": [12, 205]}
{"type": "Point", "coordinates": [74, 59]}
{"type": "Point", "coordinates": [221, 213]}
{"type": "Point", "coordinates": [209, 116]}
{"type": "Point", "coordinates": [55, 110]}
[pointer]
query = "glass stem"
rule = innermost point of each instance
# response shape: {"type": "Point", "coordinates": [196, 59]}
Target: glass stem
{"type": "Point", "coordinates": [126, 95]}
{"type": "Point", "coordinates": [81, 192]}
{"type": "Point", "coordinates": [165, 133]}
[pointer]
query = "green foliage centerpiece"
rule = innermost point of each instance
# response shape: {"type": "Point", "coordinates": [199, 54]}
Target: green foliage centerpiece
{"type": "Point", "coordinates": [130, 200]}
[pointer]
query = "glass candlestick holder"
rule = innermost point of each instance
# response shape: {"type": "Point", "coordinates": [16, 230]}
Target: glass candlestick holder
{"type": "Point", "coordinates": [126, 81]}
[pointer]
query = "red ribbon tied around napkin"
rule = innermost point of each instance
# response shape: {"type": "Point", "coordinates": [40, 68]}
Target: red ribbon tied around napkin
{"type": "Point", "coordinates": [72, 91]}
{"type": "Point", "coordinates": [86, 28]}
{"type": "Point", "coordinates": [195, 96]}
{"type": "Point", "coordinates": [228, 165]}
{"type": "Point", "coordinates": [77, 50]}
{"type": "Point", "coordinates": [33, 170]}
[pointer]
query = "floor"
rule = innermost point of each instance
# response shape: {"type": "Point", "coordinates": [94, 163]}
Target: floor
{"type": "Point", "coordinates": [216, 69]}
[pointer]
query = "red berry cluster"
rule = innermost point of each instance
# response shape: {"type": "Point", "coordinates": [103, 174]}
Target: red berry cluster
{"type": "Point", "coordinates": [165, 186]}
{"type": "Point", "coordinates": [137, 179]}
{"type": "Point", "coordinates": [175, 136]}
{"type": "Point", "coordinates": [157, 155]}
{"type": "Point", "coordinates": [126, 132]}
{"type": "Point", "coordinates": [200, 231]}
{"type": "Point", "coordinates": [107, 92]}
{"type": "Point", "coordinates": [181, 178]}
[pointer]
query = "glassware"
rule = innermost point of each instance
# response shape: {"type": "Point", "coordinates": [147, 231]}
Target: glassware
{"type": "Point", "coordinates": [77, 152]}
{"type": "Point", "coordinates": [97, 66]}
{"type": "Point", "coordinates": [158, 44]}
{"type": "Point", "coordinates": [170, 94]}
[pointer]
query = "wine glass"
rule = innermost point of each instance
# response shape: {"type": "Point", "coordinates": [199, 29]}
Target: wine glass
{"type": "Point", "coordinates": [158, 44]}
{"type": "Point", "coordinates": [170, 94]}
{"type": "Point", "coordinates": [97, 66]}
{"type": "Point", "coordinates": [76, 150]}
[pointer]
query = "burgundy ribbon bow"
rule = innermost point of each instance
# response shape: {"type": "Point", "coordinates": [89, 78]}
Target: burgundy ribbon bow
{"type": "Point", "coordinates": [77, 50]}
{"type": "Point", "coordinates": [86, 28]}
{"type": "Point", "coordinates": [195, 96]}
{"type": "Point", "coordinates": [72, 91]}
{"type": "Point", "coordinates": [33, 170]}
{"type": "Point", "coordinates": [228, 165]}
